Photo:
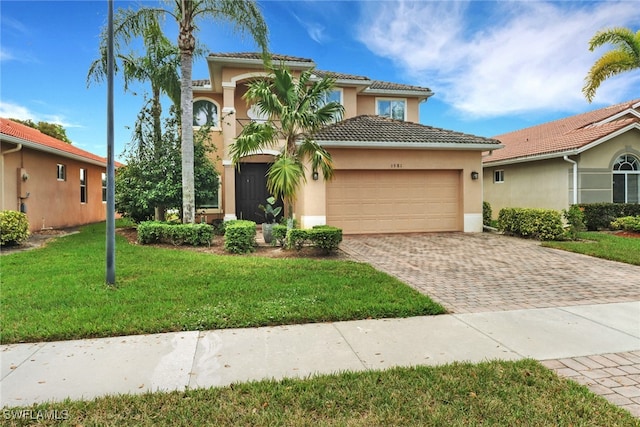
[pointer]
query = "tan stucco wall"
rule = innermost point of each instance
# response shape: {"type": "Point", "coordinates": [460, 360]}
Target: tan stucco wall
{"type": "Point", "coordinates": [312, 199]}
{"type": "Point", "coordinates": [549, 183]}
{"type": "Point", "coordinates": [604, 155]}
{"type": "Point", "coordinates": [51, 202]}
{"type": "Point", "coordinates": [541, 184]}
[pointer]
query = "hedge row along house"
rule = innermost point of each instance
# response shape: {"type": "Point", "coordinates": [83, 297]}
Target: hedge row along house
{"type": "Point", "coordinates": [55, 183]}
{"type": "Point", "coordinates": [587, 158]}
{"type": "Point", "coordinates": [391, 173]}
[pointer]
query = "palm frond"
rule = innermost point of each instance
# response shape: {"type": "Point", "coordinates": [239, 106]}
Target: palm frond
{"type": "Point", "coordinates": [284, 177]}
{"type": "Point", "coordinates": [253, 138]}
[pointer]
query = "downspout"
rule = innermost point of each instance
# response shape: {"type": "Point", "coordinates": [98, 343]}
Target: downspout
{"type": "Point", "coordinates": [13, 150]}
{"type": "Point", "coordinates": [575, 178]}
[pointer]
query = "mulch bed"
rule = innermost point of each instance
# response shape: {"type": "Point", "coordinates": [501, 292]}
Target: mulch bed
{"type": "Point", "coordinates": [217, 248]}
{"type": "Point", "coordinates": [632, 234]}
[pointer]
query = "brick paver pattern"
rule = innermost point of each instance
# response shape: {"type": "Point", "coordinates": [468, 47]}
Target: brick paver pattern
{"type": "Point", "coordinates": [471, 273]}
{"type": "Point", "coordinates": [616, 377]}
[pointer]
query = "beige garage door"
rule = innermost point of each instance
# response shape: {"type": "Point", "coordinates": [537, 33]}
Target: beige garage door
{"type": "Point", "coordinates": [396, 201]}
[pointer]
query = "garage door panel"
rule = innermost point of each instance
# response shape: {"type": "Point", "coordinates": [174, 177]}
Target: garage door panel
{"type": "Point", "coordinates": [394, 201]}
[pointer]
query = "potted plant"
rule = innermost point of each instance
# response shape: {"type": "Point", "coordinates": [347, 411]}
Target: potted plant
{"type": "Point", "coordinates": [271, 213]}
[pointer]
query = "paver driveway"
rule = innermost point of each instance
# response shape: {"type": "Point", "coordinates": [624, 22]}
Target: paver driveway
{"type": "Point", "coordinates": [489, 272]}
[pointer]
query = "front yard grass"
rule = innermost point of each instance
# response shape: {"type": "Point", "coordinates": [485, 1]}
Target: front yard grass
{"type": "Point", "coordinates": [603, 245]}
{"type": "Point", "coordinates": [59, 293]}
{"type": "Point", "coordinates": [490, 393]}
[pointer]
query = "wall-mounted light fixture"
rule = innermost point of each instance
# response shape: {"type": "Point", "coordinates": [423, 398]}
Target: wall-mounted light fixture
{"type": "Point", "coordinates": [314, 175]}
{"type": "Point", "coordinates": [25, 176]}
{"type": "Point", "coordinates": [475, 175]}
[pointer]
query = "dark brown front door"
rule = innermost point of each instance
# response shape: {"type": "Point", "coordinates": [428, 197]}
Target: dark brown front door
{"type": "Point", "coordinates": [251, 191]}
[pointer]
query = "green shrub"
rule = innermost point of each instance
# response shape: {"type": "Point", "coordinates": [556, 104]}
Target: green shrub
{"type": "Point", "coordinates": [240, 236]}
{"type": "Point", "coordinates": [598, 216]}
{"type": "Point", "coordinates": [297, 238]}
{"type": "Point", "coordinates": [487, 213]}
{"type": "Point", "coordinates": [14, 228]}
{"type": "Point", "coordinates": [627, 223]}
{"type": "Point", "coordinates": [575, 219]}
{"type": "Point", "coordinates": [279, 235]}
{"type": "Point", "coordinates": [325, 237]}
{"type": "Point", "coordinates": [177, 234]}
{"type": "Point", "coordinates": [542, 224]}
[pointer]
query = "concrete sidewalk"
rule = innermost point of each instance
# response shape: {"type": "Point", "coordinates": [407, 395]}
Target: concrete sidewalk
{"type": "Point", "coordinates": [85, 369]}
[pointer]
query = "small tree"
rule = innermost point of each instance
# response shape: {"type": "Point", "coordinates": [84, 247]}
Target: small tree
{"type": "Point", "coordinates": [152, 179]}
{"type": "Point", "coordinates": [52, 129]}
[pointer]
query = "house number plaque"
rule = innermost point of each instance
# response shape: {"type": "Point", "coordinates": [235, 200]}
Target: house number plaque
{"type": "Point", "coordinates": [396, 165]}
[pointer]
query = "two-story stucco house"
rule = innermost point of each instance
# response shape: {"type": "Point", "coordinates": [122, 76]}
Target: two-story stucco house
{"type": "Point", "coordinates": [391, 173]}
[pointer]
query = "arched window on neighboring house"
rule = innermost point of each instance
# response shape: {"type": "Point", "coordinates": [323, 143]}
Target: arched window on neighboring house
{"type": "Point", "coordinates": [205, 112]}
{"type": "Point", "coordinates": [626, 179]}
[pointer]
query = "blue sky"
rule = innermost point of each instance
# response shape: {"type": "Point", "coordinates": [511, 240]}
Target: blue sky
{"type": "Point", "coordinates": [494, 66]}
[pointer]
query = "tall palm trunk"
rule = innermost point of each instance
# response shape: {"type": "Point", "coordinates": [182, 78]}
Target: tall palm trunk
{"type": "Point", "coordinates": [187, 44]}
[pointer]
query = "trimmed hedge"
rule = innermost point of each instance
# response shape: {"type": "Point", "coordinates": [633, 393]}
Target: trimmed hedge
{"type": "Point", "coordinates": [14, 228]}
{"type": "Point", "coordinates": [487, 213]}
{"type": "Point", "coordinates": [598, 216]}
{"type": "Point", "coordinates": [627, 223]}
{"type": "Point", "coordinates": [279, 234]}
{"type": "Point", "coordinates": [240, 236]}
{"type": "Point", "coordinates": [177, 234]}
{"type": "Point", "coordinates": [542, 224]}
{"type": "Point", "coordinates": [323, 237]}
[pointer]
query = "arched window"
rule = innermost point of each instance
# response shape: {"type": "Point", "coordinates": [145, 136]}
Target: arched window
{"type": "Point", "coordinates": [626, 179]}
{"type": "Point", "coordinates": [205, 112]}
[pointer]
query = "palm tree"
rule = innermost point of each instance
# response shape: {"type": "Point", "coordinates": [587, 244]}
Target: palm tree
{"type": "Point", "coordinates": [296, 109]}
{"type": "Point", "coordinates": [245, 18]}
{"type": "Point", "coordinates": [624, 57]}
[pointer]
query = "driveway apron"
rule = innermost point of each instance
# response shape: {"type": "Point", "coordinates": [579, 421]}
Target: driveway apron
{"type": "Point", "coordinates": [470, 273]}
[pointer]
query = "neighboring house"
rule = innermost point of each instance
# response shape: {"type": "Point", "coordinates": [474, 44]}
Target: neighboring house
{"type": "Point", "coordinates": [587, 158]}
{"type": "Point", "coordinates": [55, 183]}
{"type": "Point", "coordinates": [391, 174]}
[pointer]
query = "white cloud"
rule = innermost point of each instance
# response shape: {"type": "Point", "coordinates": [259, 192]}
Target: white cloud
{"type": "Point", "coordinates": [15, 111]}
{"type": "Point", "coordinates": [489, 59]}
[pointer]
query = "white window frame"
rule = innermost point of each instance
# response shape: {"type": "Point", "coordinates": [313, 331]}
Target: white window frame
{"type": "Point", "coordinates": [83, 186]}
{"type": "Point", "coordinates": [206, 211]}
{"type": "Point", "coordinates": [217, 125]}
{"type": "Point", "coordinates": [404, 100]}
{"type": "Point", "coordinates": [62, 172]}
{"type": "Point", "coordinates": [635, 163]}
{"type": "Point", "coordinates": [498, 176]}
{"type": "Point", "coordinates": [104, 187]}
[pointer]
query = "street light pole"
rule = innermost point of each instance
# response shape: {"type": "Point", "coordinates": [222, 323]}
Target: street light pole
{"type": "Point", "coordinates": [111, 175]}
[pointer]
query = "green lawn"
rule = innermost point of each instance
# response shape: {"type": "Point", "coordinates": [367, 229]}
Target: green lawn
{"type": "Point", "coordinates": [59, 292]}
{"type": "Point", "coordinates": [603, 245]}
{"type": "Point", "coordinates": [493, 393]}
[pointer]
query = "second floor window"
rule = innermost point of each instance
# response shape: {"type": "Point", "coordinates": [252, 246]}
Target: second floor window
{"type": "Point", "coordinates": [392, 108]}
{"type": "Point", "coordinates": [83, 186]}
{"type": "Point", "coordinates": [205, 112]}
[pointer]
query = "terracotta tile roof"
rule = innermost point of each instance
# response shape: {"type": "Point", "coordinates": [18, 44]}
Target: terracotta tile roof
{"type": "Point", "coordinates": [341, 76]}
{"type": "Point", "coordinates": [37, 138]}
{"type": "Point", "coordinates": [570, 133]}
{"type": "Point", "coordinates": [257, 55]}
{"type": "Point", "coordinates": [382, 130]}
{"type": "Point", "coordinates": [378, 85]}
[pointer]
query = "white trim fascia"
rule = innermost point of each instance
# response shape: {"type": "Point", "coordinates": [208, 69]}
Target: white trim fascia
{"type": "Point", "coordinates": [409, 145]}
{"type": "Point", "coordinates": [617, 116]}
{"type": "Point", "coordinates": [45, 149]}
{"type": "Point", "coordinates": [636, 105]}
{"type": "Point", "coordinates": [267, 151]}
{"type": "Point", "coordinates": [245, 76]}
{"type": "Point", "coordinates": [231, 85]}
{"type": "Point", "coordinates": [561, 154]}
